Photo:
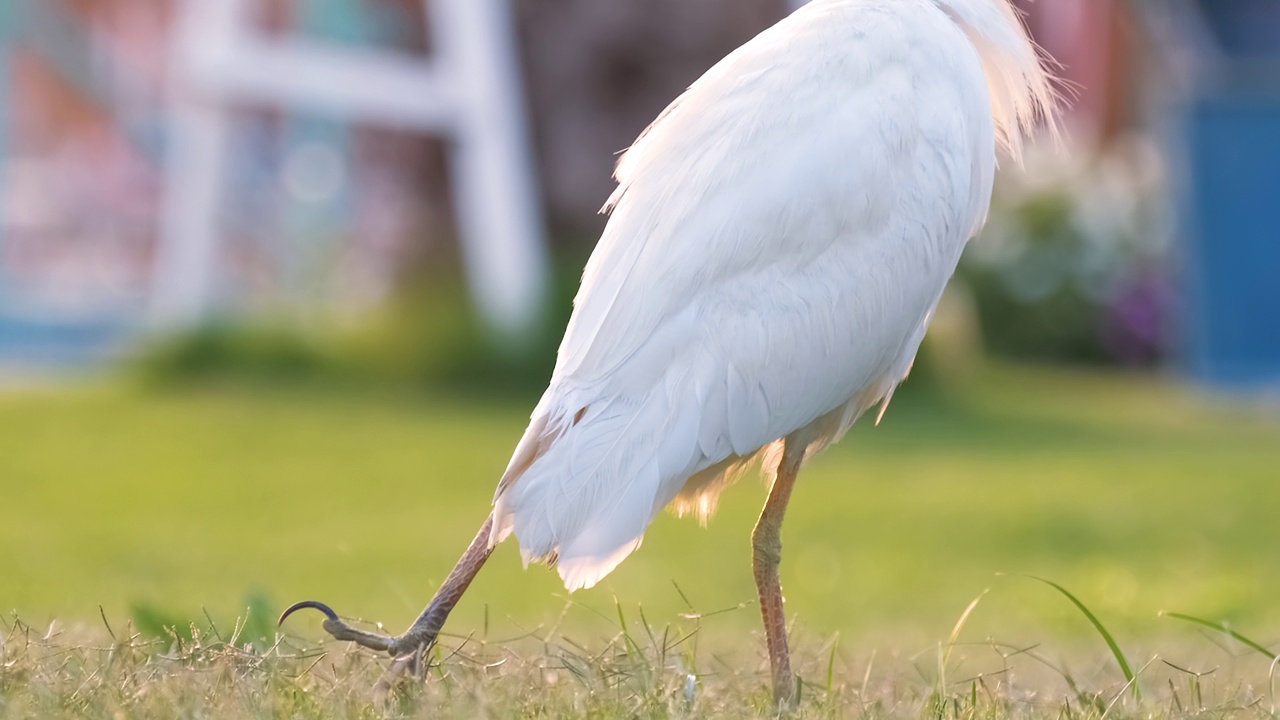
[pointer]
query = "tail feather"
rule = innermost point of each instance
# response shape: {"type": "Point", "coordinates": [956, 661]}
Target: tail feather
{"type": "Point", "coordinates": [584, 502]}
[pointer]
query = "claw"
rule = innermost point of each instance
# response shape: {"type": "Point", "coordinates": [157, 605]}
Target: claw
{"type": "Point", "coordinates": [328, 611]}
{"type": "Point", "coordinates": [340, 630]}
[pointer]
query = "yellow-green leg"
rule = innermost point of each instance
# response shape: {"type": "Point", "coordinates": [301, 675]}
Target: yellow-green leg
{"type": "Point", "coordinates": [766, 544]}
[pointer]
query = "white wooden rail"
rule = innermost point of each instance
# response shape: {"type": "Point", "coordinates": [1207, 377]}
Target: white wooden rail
{"type": "Point", "coordinates": [468, 92]}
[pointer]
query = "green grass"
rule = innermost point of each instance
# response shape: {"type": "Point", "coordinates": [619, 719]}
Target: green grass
{"type": "Point", "coordinates": [1132, 493]}
{"type": "Point", "coordinates": [641, 671]}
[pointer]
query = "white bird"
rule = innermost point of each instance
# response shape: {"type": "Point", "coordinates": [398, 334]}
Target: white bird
{"type": "Point", "coordinates": [777, 243]}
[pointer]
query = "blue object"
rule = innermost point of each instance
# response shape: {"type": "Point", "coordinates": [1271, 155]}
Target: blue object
{"type": "Point", "coordinates": [27, 343]}
{"type": "Point", "coordinates": [1244, 28]}
{"type": "Point", "coordinates": [1233, 239]}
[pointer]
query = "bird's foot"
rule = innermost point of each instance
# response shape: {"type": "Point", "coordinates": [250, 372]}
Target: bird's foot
{"type": "Point", "coordinates": [408, 650]}
{"type": "Point", "coordinates": [786, 694]}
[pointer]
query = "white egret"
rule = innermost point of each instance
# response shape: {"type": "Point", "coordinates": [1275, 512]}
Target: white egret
{"type": "Point", "coordinates": [777, 243]}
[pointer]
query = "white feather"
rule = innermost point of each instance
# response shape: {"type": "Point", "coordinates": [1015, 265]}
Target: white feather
{"type": "Point", "coordinates": [779, 238]}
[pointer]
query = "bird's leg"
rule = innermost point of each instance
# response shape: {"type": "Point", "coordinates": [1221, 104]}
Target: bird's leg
{"type": "Point", "coordinates": [767, 553]}
{"type": "Point", "coordinates": [409, 647]}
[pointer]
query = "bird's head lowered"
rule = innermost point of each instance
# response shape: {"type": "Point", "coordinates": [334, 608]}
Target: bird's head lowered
{"type": "Point", "coordinates": [780, 239]}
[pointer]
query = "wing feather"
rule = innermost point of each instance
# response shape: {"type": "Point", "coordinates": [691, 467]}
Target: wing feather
{"type": "Point", "coordinates": [778, 239]}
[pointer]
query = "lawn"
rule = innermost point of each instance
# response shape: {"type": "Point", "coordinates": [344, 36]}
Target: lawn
{"type": "Point", "coordinates": [1131, 491]}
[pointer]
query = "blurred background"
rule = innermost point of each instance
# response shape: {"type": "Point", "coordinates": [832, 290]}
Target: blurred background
{"type": "Point", "coordinates": [266, 264]}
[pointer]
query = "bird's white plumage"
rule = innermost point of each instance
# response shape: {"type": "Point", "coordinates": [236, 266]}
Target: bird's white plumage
{"type": "Point", "coordinates": [778, 239]}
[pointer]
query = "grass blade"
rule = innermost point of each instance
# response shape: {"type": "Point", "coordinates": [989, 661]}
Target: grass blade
{"type": "Point", "coordinates": [831, 665]}
{"type": "Point", "coordinates": [955, 630]}
{"type": "Point", "coordinates": [1102, 630]}
{"type": "Point", "coordinates": [1222, 627]}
